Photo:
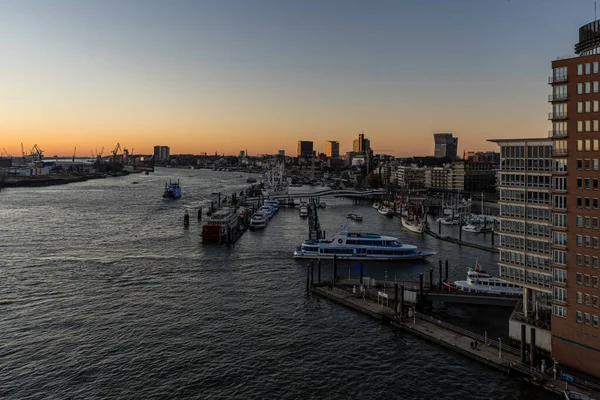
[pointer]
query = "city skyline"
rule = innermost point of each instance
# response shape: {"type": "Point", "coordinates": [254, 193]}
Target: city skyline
{"type": "Point", "coordinates": [266, 75]}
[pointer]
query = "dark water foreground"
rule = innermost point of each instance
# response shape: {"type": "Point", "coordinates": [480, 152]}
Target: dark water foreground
{"type": "Point", "coordinates": [103, 294]}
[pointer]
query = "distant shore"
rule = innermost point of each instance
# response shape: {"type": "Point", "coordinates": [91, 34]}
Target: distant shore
{"type": "Point", "coordinates": [32, 181]}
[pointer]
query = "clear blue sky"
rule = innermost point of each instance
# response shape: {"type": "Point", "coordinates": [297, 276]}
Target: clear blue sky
{"type": "Point", "coordinates": [264, 74]}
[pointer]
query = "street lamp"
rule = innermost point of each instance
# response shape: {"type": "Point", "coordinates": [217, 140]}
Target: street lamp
{"type": "Point", "coordinates": [499, 348]}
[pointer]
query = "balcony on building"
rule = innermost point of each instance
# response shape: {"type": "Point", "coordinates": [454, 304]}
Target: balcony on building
{"type": "Point", "coordinates": [557, 135]}
{"type": "Point", "coordinates": [557, 115]}
{"type": "Point", "coordinates": [557, 79]}
{"type": "Point", "coordinates": [557, 97]}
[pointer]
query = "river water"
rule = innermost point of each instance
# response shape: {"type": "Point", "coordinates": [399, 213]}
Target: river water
{"type": "Point", "coordinates": [104, 294]}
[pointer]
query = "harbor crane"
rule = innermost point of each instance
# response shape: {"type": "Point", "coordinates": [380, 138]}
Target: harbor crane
{"type": "Point", "coordinates": [74, 151]}
{"type": "Point", "coordinates": [6, 152]}
{"type": "Point", "coordinates": [22, 153]}
{"type": "Point", "coordinates": [36, 152]}
{"type": "Point", "coordinates": [115, 151]}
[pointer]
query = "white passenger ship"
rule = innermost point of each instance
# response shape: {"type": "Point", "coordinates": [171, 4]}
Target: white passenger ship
{"type": "Point", "coordinates": [479, 281]}
{"type": "Point", "coordinates": [360, 246]}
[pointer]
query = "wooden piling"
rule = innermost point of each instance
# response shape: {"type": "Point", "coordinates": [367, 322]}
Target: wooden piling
{"type": "Point", "coordinates": [401, 300]}
{"type": "Point", "coordinates": [361, 273]}
{"type": "Point", "coordinates": [312, 276]}
{"type": "Point", "coordinates": [446, 273]}
{"type": "Point", "coordinates": [334, 268]}
{"type": "Point", "coordinates": [421, 288]}
{"type": "Point", "coordinates": [430, 278]}
{"type": "Point", "coordinates": [396, 296]}
{"type": "Point", "coordinates": [307, 277]}
{"type": "Point", "coordinates": [440, 283]}
{"type": "Point", "coordinates": [523, 343]}
{"type": "Point", "coordinates": [532, 347]}
{"type": "Point", "coordinates": [460, 231]}
{"type": "Point", "coordinates": [440, 227]}
{"type": "Point", "coordinates": [200, 214]}
{"type": "Point", "coordinates": [319, 271]}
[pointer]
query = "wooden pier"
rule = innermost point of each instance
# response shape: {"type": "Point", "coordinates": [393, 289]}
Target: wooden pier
{"type": "Point", "coordinates": [489, 352]}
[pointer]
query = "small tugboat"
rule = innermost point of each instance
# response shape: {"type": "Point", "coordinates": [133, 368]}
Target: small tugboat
{"type": "Point", "coordinates": [172, 190]}
{"type": "Point", "coordinates": [479, 281]}
{"type": "Point", "coordinates": [303, 210]}
{"type": "Point", "coordinates": [354, 217]}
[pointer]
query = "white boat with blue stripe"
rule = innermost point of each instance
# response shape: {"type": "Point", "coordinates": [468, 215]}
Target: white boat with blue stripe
{"type": "Point", "coordinates": [360, 246]}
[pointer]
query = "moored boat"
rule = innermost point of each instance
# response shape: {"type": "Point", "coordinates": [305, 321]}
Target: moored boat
{"type": "Point", "coordinates": [219, 225]}
{"type": "Point", "coordinates": [376, 206]}
{"type": "Point", "coordinates": [479, 281]}
{"type": "Point", "coordinates": [259, 220]}
{"type": "Point", "coordinates": [360, 246]}
{"type": "Point", "coordinates": [354, 217]}
{"type": "Point", "coordinates": [172, 190]}
{"type": "Point", "coordinates": [303, 210]}
{"type": "Point", "coordinates": [388, 212]}
{"type": "Point", "coordinates": [475, 228]}
{"type": "Point", "coordinates": [413, 225]}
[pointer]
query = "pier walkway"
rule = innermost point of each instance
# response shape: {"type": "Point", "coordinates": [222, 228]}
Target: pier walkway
{"type": "Point", "coordinates": [494, 354]}
{"type": "Point", "coordinates": [323, 193]}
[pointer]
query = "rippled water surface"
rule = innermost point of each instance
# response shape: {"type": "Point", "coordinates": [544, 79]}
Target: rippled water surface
{"type": "Point", "coordinates": [104, 294]}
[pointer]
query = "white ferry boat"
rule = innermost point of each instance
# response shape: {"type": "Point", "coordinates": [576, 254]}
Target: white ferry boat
{"type": "Point", "coordinates": [479, 281]}
{"type": "Point", "coordinates": [360, 246]}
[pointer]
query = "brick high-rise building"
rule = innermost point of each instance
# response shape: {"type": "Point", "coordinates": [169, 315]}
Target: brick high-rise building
{"type": "Point", "coordinates": [575, 132]}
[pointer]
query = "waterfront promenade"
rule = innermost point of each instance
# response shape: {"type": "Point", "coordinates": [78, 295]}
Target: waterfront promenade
{"type": "Point", "coordinates": [492, 353]}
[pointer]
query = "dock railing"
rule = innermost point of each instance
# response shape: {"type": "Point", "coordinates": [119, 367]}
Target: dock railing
{"type": "Point", "coordinates": [473, 335]}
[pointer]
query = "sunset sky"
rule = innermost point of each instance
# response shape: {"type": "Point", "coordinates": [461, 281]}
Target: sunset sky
{"type": "Point", "coordinates": [224, 75]}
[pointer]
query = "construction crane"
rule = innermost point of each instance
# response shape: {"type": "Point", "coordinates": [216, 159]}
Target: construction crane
{"type": "Point", "coordinates": [6, 152]}
{"type": "Point", "coordinates": [23, 153]}
{"type": "Point", "coordinates": [115, 151]}
{"type": "Point", "coordinates": [74, 151]}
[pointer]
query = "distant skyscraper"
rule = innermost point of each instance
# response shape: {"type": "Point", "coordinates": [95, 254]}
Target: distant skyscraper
{"type": "Point", "coordinates": [162, 152]}
{"type": "Point", "coordinates": [333, 149]}
{"type": "Point", "coordinates": [361, 144]}
{"type": "Point", "coordinates": [305, 149]}
{"type": "Point", "coordinates": [445, 145]}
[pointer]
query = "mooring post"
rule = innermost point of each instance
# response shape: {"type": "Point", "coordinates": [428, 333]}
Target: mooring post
{"type": "Point", "coordinates": [396, 296]}
{"type": "Point", "coordinates": [212, 206]}
{"type": "Point", "coordinates": [200, 214]}
{"type": "Point", "coordinates": [440, 282]}
{"type": "Point", "coordinates": [446, 276]}
{"type": "Point", "coordinates": [460, 231]}
{"type": "Point", "coordinates": [532, 347]}
{"type": "Point", "coordinates": [523, 343]}
{"type": "Point", "coordinates": [430, 278]}
{"type": "Point", "coordinates": [421, 288]}
{"type": "Point", "coordinates": [439, 227]}
{"type": "Point", "coordinates": [319, 271]}
{"type": "Point", "coordinates": [361, 273]}
{"type": "Point", "coordinates": [402, 300]}
{"type": "Point", "coordinates": [312, 276]}
{"type": "Point", "coordinates": [307, 277]}
{"type": "Point", "coordinates": [334, 269]}
{"type": "Point", "coordinates": [186, 219]}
